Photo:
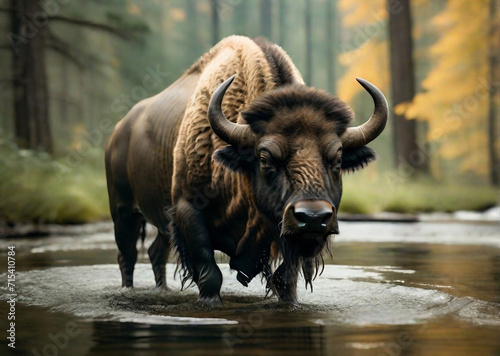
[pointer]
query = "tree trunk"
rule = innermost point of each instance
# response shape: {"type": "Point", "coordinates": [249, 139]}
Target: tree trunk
{"type": "Point", "coordinates": [193, 41]}
{"type": "Point", "coordinates": [215, 22]}
{"type": "Point", "coordinates": [64, 118]}
{"type": "Point", "coordinates": [493, 110]}
{"type": "Point", "coordinates": [407, 153]}
{"type": "Point", "coordinates": [265, 18]}
{"type": "Point", "coordinates": [282, 22]}
{"type": "Point", "coordinates": [240, 19]}
{"type": "Point", "coordinates": [308, 76]}
{"type": "Point", "coordinates": [31, 111]}
{"type": "Point", "coordinates": [330, 41]}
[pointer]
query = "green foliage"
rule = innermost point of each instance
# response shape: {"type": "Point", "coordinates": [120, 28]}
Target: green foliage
{"type": "Point", "coordinates": [121, 22]}
{"type": "Point", "coordinates": [37, 188]}
{"type": "Point", "coordinates": [33, 189]}
{"type": "Point", "coordinates": [363, 194]}
{"type": "Point", "coordinates": [98, 76]}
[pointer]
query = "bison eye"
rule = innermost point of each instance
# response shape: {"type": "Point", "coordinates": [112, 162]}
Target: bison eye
{"type": "Point", "coordinates": [266, 166]}
{"type": "Point", "coordinates": [336, 164]}
{"type": "Point", "coordinates": [265, 160]}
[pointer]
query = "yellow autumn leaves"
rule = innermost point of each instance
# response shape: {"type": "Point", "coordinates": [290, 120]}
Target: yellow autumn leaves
{"type": "Point", "coordinates": [454, 95]}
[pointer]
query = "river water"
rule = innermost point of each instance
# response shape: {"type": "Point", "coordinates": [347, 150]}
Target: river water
{"type": "Point", "coordinates": [428, 288]}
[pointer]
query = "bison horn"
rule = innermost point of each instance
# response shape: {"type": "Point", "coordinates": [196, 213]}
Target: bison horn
{"type": "Point", "coordinates": [230, 132]}
{"type": "Point", "coordinates": [363, 134]}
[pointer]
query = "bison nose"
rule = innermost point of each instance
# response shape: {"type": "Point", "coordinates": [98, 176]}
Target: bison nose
{"type": "Point", "coordinates": [313, 215]}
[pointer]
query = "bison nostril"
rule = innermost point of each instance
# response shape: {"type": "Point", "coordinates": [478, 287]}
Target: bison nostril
{"type": "Point", "coordinates": [301, 218]}
{"type": "Point", "coordinates": [312, 215]}
{"type": "Point", "coordinates": [327, 218]}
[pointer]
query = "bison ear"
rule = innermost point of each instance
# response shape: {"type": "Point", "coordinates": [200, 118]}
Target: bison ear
{"type": "Point", "coordinates": [354, 158]}
{"type": "Point", "coordinates": [235, 159]}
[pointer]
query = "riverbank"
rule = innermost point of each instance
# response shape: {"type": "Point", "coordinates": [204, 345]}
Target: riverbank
{"type": "Point", "coordinates": [490, 216]}
{"type": "Point", "coordinates": [37, 191]}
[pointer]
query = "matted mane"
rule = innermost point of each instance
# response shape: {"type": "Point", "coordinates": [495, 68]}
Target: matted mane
{"type": "Point", "coordinates": [268, 107]}
{"type": "Point", "coordinates": [261, 67]}
{"type": "Point", "coordinates": [284, 72]}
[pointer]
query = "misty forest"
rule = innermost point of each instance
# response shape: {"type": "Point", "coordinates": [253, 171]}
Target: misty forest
{"type": "Point", "coordinates": [70, 70]}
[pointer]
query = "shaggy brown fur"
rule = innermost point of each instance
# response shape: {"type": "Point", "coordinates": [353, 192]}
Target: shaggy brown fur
{"type": "Point", "coordinates": [165, 164]}
{"type": "Point", "coordinates": [255, 75]}
{"type": "Point", "coordinates": [260, 67]}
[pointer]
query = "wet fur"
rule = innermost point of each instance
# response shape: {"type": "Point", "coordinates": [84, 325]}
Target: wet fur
{"type": "Point", "coordinates": [260, 74]}
{"type": "Point", "coordinates": [264, 114]}
{"type": "Point", "coordinates": [267, 93]}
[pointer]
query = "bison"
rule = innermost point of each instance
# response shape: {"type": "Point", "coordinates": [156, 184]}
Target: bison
{"type": "Point", "coordinates": [238, 155]}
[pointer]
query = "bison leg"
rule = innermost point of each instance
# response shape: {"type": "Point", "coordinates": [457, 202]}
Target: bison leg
{"type": "Point", "coordinates": [158, 254]}
{"type": "Point", "coordinates": [127, 228]}
{"type": "Point", "coordinates": [206, 273]}
{"type": "Point", "coordinates": [285, 283]}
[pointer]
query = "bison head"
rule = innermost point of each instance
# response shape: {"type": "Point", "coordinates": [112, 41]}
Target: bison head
{"type": "Point", "coordinates": [294, 147]}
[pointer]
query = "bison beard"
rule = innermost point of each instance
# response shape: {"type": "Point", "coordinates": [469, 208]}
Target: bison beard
{"type": "Point", "coordinates": [290, 256]}
{"type": "Point", "coordinates": [297, 254]}
{"type": "Point", "coordinates": [250, 166]}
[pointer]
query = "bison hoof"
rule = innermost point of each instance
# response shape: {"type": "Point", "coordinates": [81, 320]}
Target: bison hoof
{"type": "Point", "coordinates": [289, 300]}
{"type": "Point", "coordinates": [128, 283]}
{"type": "Point", "coordinates": [213, 302]}
{"type": "Point", "coordinates": [162, 289]}
{"type": "Point", "coordinates": [287, 296]}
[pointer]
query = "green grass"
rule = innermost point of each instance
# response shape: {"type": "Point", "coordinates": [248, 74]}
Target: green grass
{"type": "Point", "coordinates": [367, 193]}
{"type": "Point", "coordinates": [36, 188]}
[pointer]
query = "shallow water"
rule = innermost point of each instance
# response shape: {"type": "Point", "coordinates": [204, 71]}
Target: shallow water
{"type": "Point", "coordinates": [389, 289]}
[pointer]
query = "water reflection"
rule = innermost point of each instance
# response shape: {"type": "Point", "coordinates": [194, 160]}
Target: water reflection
{"type": "Point", "coordinates": [460, 270]}
{"type": "Point", "coordinates": [193, 340]}
{"type": "Point", "coordinates": [380, 299]}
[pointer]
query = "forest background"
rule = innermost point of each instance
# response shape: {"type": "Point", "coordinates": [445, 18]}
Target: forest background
{"type": "Point", "coordinates": [71, 69]}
